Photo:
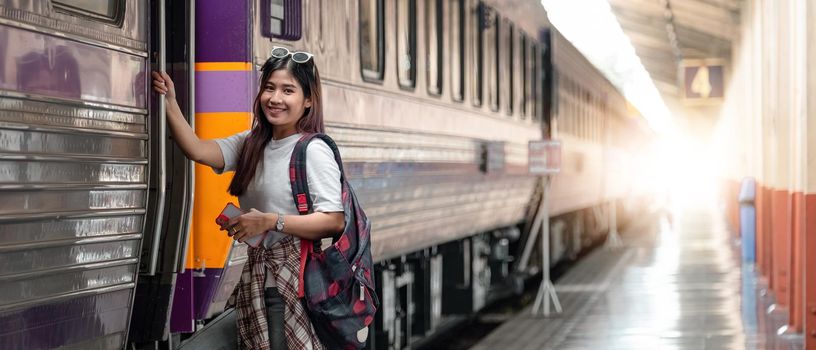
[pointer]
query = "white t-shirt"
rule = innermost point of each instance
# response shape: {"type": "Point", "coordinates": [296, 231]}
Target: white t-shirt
{"type": "Point", "coordinates": [270, 190]}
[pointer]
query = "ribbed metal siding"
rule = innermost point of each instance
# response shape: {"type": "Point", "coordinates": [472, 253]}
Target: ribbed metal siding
{"type": "Point", "coordinates": [73, 174]}
{"type": "Point", "coordinates": [73, 188]}
{"type": "Point", "coordinates": [421, 190]}
{"type": "Point", "coordinates": [71, 207]}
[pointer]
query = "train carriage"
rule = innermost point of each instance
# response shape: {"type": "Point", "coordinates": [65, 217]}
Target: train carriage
{"type": "Point", "coordinates": [75, 171]}
{"type": "Point", "coordinates": [107, 236]}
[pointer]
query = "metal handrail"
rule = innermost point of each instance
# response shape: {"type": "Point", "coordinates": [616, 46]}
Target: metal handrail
{"type": "Point", "coordinates": [188, 212]}
{"type": "Point", "coordinates": [162, 158]}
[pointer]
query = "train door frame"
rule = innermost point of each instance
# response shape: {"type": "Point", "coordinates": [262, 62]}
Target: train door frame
{"type": "Point", "coordinates": [171, 181]}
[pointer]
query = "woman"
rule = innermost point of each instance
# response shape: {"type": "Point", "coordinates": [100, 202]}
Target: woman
{"type": "Point", "coordinates": [287, 104]}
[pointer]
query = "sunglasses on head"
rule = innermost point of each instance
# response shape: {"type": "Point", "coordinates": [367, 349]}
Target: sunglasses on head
{"type": "Point", "coordinates": [299, 56]}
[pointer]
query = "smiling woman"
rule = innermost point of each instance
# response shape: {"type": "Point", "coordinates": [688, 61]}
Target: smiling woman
{"type": "Point", "coordinates": [283, 103]}
{"type": "Point", "coordinates": [289, 102]}
{"type": "Point", "coordinates": [287, 105]}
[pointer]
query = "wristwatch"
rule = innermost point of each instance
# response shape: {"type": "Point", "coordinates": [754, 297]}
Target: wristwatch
{"type": "Point", "coordinates": [279, 223]}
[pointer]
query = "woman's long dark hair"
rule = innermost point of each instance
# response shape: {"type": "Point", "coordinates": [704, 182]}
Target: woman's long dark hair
{"type": "Point", "coordinates": [252, 150]}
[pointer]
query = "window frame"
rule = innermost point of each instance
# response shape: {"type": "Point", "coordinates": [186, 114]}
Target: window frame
{"type": "Point", "coordinates": [477, 50]}
{"type": "Point", "coordinates": [407, 82]}
{"type": "Point", "coordinates": [523, 110]}
{"type": "Point", "coordinates": [370, 75]}
{"type": "Point", "coordinates": [530, 80]}
{"type": "Point", "coordinates": [291, 30]}
{"type": "Point", "coordinates": [547, 80]}
{"type": "Point", "coordinates": [510, 45]}
{"type": "Point", "coordinates": [459, 49]}
{"type": "Point", "coordinates": [75, 11]}
{"type": "Point", "coordinates": [535, 83]}
{"type": "Point", "coordinates": [492, 66]}
{"type": "Point", "coordinates": [435, 72]}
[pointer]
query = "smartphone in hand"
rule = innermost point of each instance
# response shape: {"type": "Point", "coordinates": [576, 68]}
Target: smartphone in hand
{"type": "Point", "coordinates": [231, 211]}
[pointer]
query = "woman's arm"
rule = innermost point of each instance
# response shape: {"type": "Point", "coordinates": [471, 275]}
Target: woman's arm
{"type": "Point", "coordinates": [205, 152]}
{"type": "Point", "coordinates": [313, 226]}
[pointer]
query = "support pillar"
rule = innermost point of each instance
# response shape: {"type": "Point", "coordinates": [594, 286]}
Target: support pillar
{"type": "Point", "coordinates": [810, 271]}
{"type": "Point", "coordinates": [798, 265]}
{"type": "Point", "coordinates": [761, 232]}
{"type": "Point", "coordinates": [781, 253]}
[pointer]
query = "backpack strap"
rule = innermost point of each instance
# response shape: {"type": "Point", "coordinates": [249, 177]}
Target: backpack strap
{"type": "Point", "coordinates": [300, 191]}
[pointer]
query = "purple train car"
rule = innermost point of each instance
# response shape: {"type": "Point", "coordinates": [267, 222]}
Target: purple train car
{"type": "Point", "coordinates": [107, 238]}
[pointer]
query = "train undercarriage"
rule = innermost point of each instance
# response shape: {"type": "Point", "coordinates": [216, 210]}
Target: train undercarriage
{"type": "Point", "coordinates": [425, 293]}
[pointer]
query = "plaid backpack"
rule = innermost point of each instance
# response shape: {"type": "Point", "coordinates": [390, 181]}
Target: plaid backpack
{"type": "Point", "coordinates": [336, 284]}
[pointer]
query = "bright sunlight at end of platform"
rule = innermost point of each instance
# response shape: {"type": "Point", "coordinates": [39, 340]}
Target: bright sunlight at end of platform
{"type": "Point", "coordinates": [591, 26]}
{"type": "Point", "coordinates": [680, 164]}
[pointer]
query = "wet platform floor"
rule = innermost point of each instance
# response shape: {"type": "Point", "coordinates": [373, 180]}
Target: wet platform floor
{"type": "Point", "coordinates": [675, 284]}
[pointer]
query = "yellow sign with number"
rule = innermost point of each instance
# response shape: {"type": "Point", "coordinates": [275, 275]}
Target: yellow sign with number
{"type": "Point", "coordinates": [703, 81]}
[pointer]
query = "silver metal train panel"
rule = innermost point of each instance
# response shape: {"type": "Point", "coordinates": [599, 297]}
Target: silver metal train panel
{"type": "Point", "coordinates": [595, 127]}
{"type": "Point", "coordinates": [444, 210]}
{"type": "Point", "coordinates": [414, 158]}
{"type": "Point", "coordinates": [73, 174]}
{"type": "Point", "coordinates": [421, 189]}
{"type": "Point", "coordinates": [579, 185]}
{"type": "Point", "coordinates": [349, 100]}
{"type": "Point", "coordinates": [230, 276]}
{"type": "Point", "coordinates": [43, 16]}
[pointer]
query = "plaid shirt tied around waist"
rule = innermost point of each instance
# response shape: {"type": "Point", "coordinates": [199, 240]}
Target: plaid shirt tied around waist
{"type": "Point", "coordinates": [283, 260]}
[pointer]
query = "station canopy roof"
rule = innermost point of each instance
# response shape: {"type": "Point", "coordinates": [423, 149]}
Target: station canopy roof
{"type": "Point", "coordinates": [666, 32]}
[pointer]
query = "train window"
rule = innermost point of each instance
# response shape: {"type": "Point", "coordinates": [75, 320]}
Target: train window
{"type": "Point", "coordinates": [406, 43]}
{"type": "Point", "coordinates": [565, 117]}
{"type": "Point", "coordinates": [581, 112]}
{"type": "Point", "coordinates": [529, 79]}
{"type": "Point", "coordinates": [107, 11]}
{"type": "Point", "coordinates": [585, 102]}
{"type": "Point", "coordinates": [568, 115]}
{"type": "Point", "coordinates": [524, 78]}
{"type": "Point", "coordinates": [555, 102]}
{"type": "Point", "coordinates": [535, 83]}
{"type": "Point", "coordinates": [433, 35]}
{"type": "Point", "coordinates": [595, 117]}
{"type": "Point", "coordinates": [545, 82]}
{"type": "Point", "coordinates": [581, 120]}
{"type": "Point", "coordinates": [509, 36]}
{"type": "Point", "coordinates": [477, 52]}
{"type": "Point", "coordinates": [457, 49]}
{"type": "Point", "coordinates": [281, 19]}
{"type": "Point", "coordinates": [591, 118]}
{"type": "Point", "coordinates": [372, 38]}
{"type": "Point", "coordinates": [491, 54]}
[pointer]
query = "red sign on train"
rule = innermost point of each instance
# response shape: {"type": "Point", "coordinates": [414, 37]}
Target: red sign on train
{"type": "Point", "coordinates": [544, 157]}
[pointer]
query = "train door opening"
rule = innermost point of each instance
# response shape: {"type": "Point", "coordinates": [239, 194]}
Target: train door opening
{"type": "Point", "coordinates": [170, 190]}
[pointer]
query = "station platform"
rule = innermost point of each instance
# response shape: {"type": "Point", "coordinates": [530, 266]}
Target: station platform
{"type": "Point", "coordinates": [675, 284]}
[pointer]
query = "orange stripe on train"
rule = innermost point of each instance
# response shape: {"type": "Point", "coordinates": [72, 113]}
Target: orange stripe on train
{"type": "Point", "coordinates": [223, 66]}
{"type": "Point", "coordinates": [210, 245]}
